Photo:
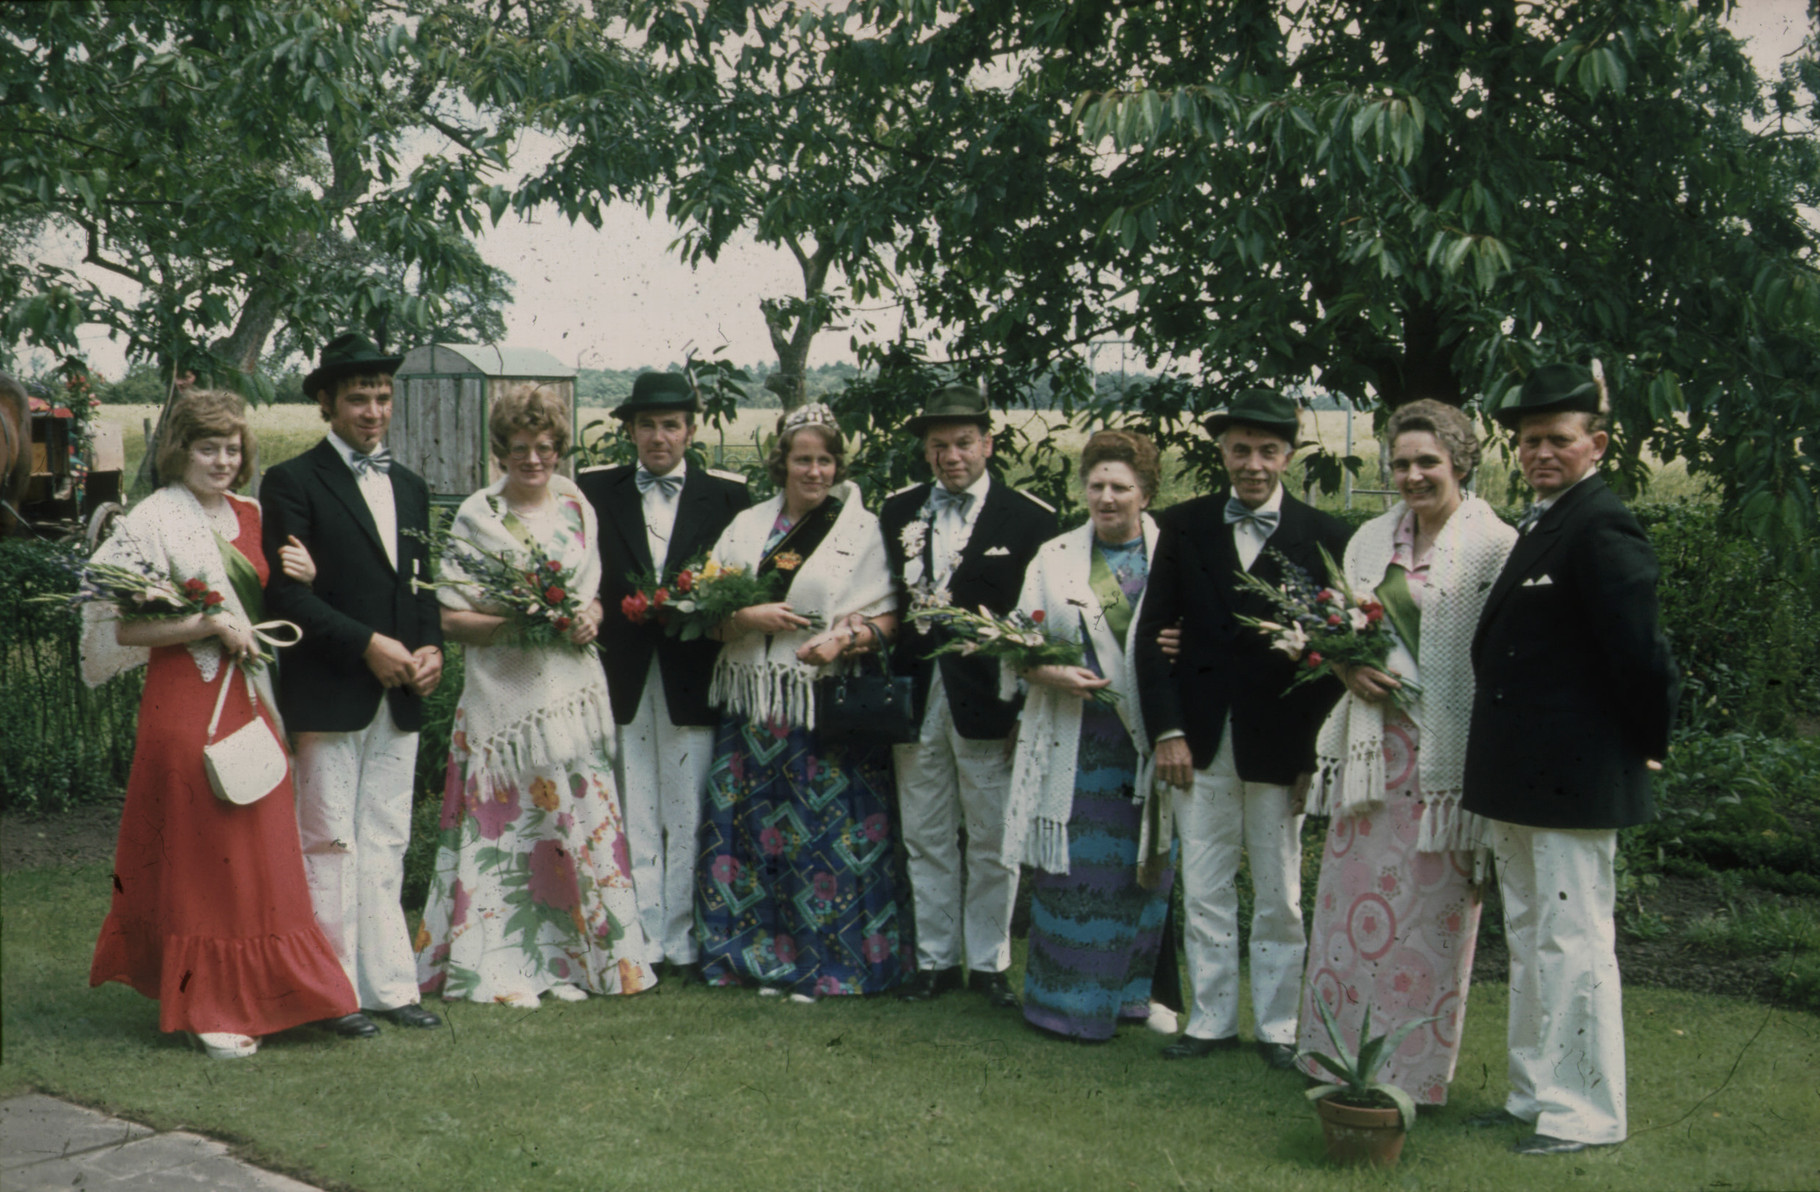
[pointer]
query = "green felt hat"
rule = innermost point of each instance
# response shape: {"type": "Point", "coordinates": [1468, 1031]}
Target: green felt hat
{"type": "Point", "coordinates": [953, 403]}
{"type": "Point", "coordinates": [658, 391]}
{"type": "Point", "coordinates": [1265, 409]}
{"type": "Point", "coordinates": [1551, 389]}
{"type": "Point", "coordinates": [348, 354]}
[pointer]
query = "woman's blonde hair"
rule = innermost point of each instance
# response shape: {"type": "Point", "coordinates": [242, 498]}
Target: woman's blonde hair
{"type": "Point", "coordinates": [204, 414]}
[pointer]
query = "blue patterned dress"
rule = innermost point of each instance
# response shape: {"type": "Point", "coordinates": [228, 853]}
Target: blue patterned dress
{"type": "Point", "coordinates": [798, 883]}
{"type": "Point", "coordinates": [1094, 932]}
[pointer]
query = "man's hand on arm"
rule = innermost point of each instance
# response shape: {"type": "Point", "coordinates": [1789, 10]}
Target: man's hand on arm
{"type": "Point", "coordinates": [391, 663]}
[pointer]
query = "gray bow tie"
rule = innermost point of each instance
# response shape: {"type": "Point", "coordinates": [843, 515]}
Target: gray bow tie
{"type": "Point", "coordinates": [1530, 517]}
{"type": "Point", "coordinates": [941, 499]}
{"type": "Point", "coordinates": [379, 461]}
{"type": "Point", "coordinates": [670, 483]}
{"type": "Point", "coordinates": [1264, 521]}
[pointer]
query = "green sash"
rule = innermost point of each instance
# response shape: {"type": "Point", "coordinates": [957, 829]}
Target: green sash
{"type": "Point", "coordinates": [244, 578]}
{"type": "Point", "coordinates": [1113, 603]}
{"type": "Point", "coordinates": [1401, 608]}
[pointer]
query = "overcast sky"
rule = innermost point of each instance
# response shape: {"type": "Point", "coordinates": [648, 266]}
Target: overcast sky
{"type": "Point", "coordinates": [617, 298]}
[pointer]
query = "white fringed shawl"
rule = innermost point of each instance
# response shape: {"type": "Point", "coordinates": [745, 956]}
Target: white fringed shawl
{"type": "Point", "coordinates": [529, 707]}
{"type": "Point", "coordinates": [1468, 555]}
{"type": "Point", "coordinates": [1041, 798]}
{"type": "Point", "coordinates": [758, 675]}
{"type": "Point", "coordinates": [169, 531]}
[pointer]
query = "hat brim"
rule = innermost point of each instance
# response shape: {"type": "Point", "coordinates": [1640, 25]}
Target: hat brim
{"type": "Point", "coordinates": [657, 405]}
{"type": "Point", "coordinates": [327, 374]}
{"type": "Point", "coordinates": [1511, 417]}
{"type": "Point", "coordinates": [919, 425]}
{"type": "Point", "coordinates": [1216, 425]}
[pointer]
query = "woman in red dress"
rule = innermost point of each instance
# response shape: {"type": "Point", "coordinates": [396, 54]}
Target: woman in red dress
{"type": "Point", "coordinates": [210, 912]}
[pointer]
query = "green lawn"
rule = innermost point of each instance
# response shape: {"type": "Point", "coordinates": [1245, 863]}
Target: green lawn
{"type": "Point", "coordinates": [694, 1088]}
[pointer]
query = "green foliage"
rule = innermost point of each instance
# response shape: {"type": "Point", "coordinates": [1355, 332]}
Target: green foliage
{"type": "Point", "coordinates": [432, 775]}
{"type": "Point", "coordinates": [1357, 1071]}
{"type": "Point", "coordinates": [1734, 802]}
{"type": "Point", "coordinates": [1745, 629]}
{"type": "Point", "coordinates": [63, 743]}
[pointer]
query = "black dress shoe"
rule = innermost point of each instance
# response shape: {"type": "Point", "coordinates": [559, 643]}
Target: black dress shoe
{"type": "Point", "coordinates": [996, 987]}
{"type": "Point", "coordinates": [1543, 1144]}
{"type": "Point", "coordinates": [1278, 1057]}
{"type": "Point", "coordinates": [1188, 1047]}
{"type": "Point", "coordinates": [929, 984]}
{"type": "Point", "coordinates": [353, 1026]}
{"type": "Point", "coordinates": [411, 1015]}
{"type": "Point", "coordinates": [1494, 1117]}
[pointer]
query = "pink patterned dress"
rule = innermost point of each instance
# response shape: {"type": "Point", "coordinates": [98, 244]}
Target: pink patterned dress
{"type": "Point", "coordinates": [1393, 928]}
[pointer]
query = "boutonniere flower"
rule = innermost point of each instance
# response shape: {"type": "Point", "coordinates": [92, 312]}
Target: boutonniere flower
{"type": "Point", "coordinates": [915, 533]}
{"type": "Point", "coordinates": [789, 561]}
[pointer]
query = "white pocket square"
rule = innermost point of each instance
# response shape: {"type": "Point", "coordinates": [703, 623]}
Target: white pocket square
{"type": "Point", "coordinates": [998, 550]}
{"type": "Point", "coordinates": [1539, 581]}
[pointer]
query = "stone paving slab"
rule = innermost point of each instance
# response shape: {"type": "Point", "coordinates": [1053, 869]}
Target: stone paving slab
{"type": "Point", "coordinates": [46, 1144]}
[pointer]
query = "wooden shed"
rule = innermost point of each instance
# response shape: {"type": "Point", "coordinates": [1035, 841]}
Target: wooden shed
{"type": "Point", "coordinates": [442, 395]}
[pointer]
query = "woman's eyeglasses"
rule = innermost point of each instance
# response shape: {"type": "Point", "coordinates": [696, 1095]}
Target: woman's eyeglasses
{"type": "Point", "coordinates": [520, 453]}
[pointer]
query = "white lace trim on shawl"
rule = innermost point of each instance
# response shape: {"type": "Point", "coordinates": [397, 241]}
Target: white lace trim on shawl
{"type": "Point", "coordinates": [528, 708]}
{"type": "Point", "coordinates": [1468, 555]}
{"type": "Point", "coordinates": [170, 531]}
{"type": "Point", "coordinates": [759, 676]}
{"type": "Point", "coordinates": [1040, 800]}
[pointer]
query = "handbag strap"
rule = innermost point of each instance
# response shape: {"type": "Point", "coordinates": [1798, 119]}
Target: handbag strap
{"type": "Point", "coordinates": [221, 700]}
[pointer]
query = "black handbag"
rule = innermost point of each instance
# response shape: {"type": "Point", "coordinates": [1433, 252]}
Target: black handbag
{"type": "Point", "coordinates": [867, 706]}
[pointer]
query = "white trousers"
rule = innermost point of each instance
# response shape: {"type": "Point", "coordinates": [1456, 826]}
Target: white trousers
{"type": "Point", "coordinates": [1216, 818]}
{"type": "Point", "coordinates": [1566, 1010]}
{"type": "Point", "coordinates": [663, 781]}
{"type": "Point", "coordinates": [354, 821]}
{"type": "Point", "coordinates": [943, 781]}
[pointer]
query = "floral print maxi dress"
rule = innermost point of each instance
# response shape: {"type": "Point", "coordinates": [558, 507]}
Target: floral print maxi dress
{"type": "Point", "coordinates": [533, 887]}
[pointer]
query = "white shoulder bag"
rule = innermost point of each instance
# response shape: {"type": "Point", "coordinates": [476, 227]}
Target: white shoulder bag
{"type": "Point", "coordinates": [249, 763]}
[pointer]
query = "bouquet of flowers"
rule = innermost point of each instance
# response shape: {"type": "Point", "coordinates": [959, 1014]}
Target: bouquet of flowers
{"type": "Point", "coordinates": [138, 591]}
{"type": "Point", "coordinates": [702, 593]}
{"type": "Point", "coordinates": [535, 592]}
{"type": "Point", "coordinates": [1321, 627]}
{"type": "Point", "coordinates": [1017, 638]}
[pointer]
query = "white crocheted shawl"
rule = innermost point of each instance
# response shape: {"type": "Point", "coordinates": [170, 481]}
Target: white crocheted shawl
{"type": "Point", "coordinates": [529, 707]}
{"type": "Point", "coordinates": [1468, 554]}
{"type": "Point", "coordinates": [169, 532]}
{"type": "Point", "coordinates": [758, 675]}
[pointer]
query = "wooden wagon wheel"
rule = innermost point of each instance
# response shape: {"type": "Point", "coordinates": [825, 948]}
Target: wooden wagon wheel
{"type": "Point", "coordinates": [101, 524]}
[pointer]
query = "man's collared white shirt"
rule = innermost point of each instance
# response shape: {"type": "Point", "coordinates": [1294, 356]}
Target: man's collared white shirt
{"type": "Point", "coordinates": [376, 488]}
{"type": "Point", "coordinates": [1247, 537]}
{"type": "Point", "coordinates": [660, 515]}
{"type": "Point", "coordinates": [952, 528]}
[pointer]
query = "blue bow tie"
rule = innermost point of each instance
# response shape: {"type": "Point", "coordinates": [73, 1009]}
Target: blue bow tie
{"type": "Point", "coordinates": [379, 461]}
{"type": "Point", "coordinates": [941, 499]}
{"type": "Point", "coordinates": [1264, 521]}
{"type": "Point", "coordinates": [671, 483]}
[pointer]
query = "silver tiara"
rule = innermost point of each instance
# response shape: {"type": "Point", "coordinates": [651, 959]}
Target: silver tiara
{"type": "Point", "coordinates": [814, 414]}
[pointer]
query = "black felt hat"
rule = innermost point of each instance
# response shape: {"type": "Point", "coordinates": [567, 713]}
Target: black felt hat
{"type": "Point", "coordinates": [348, 354]}
{"type": "Point", "coordinates": [953, 403]}
{"type": "Point", "coordinates": [1265, 409]}
{"type": "Point", "coordinates": [655, 391]}
{"type": "Point", "coordinates": [1552, 389]}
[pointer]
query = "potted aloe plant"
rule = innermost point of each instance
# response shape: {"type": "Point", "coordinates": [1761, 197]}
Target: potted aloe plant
{"type": "Point", "coordinates": [1364, 1119]}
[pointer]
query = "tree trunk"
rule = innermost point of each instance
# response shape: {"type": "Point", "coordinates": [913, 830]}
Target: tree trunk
{"type": "Point", "coordinates": [794, 322]}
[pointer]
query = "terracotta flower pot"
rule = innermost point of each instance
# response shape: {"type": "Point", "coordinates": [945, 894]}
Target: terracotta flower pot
{"type": "Point", "coordinates": [1361, 1135]}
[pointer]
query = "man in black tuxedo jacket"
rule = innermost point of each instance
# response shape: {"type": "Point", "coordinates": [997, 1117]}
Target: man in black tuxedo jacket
{"type": "Point", "coordinates": [1236, 745]}
{"type": "Point", "coordinates": [654, 517]}
{"type": "Point", "coordinates": [352, 690]}
{"type": "Point", "coordinates": [963, 540]}
{"type": "Point", "coordinates": [1575, 693]}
